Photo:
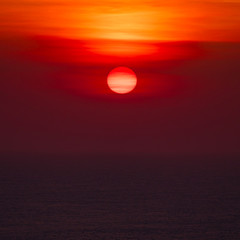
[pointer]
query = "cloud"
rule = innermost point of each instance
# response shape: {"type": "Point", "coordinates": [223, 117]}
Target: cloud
{"type": "Point", "coordinates": [135, 20]}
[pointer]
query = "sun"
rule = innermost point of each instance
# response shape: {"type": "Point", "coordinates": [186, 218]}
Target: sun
{"type": "Point", "coordinates": [122, 80]}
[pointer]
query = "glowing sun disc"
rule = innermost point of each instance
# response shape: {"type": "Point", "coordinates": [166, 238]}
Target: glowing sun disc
{"type": "Point", "coordinates": [122, 80]}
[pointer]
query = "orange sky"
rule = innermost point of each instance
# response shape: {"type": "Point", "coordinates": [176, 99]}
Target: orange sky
{"type": "Point", "coordinates": [201, 20]}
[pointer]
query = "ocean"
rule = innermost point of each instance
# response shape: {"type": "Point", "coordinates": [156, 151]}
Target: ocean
{"type": "Point", "coordinates": [119, 198]}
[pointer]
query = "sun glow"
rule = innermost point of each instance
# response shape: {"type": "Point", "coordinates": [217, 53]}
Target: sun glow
{"type": "Point", "coordinates": [131, 25]}
{"type": "Point", "coordinates": [122, 80]}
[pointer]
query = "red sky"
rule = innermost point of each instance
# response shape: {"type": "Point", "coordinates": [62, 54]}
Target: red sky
{"type": "Point", "coordinates": [56, 101]}
{"type": "Point", "coordinates": [56, 55]}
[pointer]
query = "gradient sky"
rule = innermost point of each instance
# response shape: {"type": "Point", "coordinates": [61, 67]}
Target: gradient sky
{"type": "Point", "coordinates": [54, 100]}
{"type": "Point", "coordinates": [56, 55]}
{"type": "Point", "coordinates": [202, 20]}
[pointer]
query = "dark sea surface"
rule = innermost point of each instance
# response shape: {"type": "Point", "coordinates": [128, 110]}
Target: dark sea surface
{"type": "Point", "coordinates": [119, 197]}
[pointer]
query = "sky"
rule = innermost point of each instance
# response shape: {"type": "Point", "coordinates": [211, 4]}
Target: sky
{"type": "Point", "coordinates": [56, 55]}
{"type": "Point", "coordinates": [146, 20]}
